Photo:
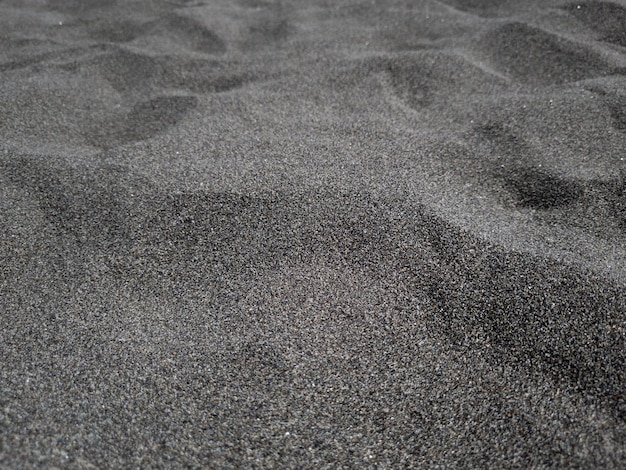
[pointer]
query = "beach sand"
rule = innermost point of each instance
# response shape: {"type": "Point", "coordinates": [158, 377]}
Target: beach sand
{"type": "Point", "coordinates": [312, 234]}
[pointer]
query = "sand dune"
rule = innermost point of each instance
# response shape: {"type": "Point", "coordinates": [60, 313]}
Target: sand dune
{"type": "Point", "coordinates": [312, 234]}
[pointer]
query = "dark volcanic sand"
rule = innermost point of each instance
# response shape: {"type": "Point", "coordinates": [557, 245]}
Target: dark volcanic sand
{"type": "Point", "coordinates": [312, 234]}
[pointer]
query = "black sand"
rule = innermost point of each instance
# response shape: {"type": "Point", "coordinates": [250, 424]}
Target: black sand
{"type": "Point", "coordinates": [312, 234]}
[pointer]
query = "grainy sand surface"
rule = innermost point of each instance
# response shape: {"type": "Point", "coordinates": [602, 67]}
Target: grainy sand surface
{"type": "Point", "coordinates": [312, 234]}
